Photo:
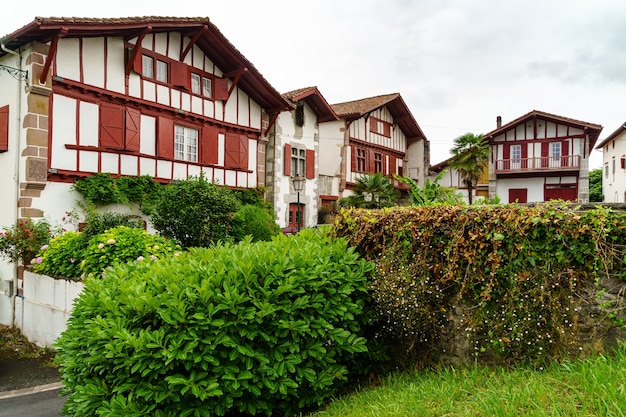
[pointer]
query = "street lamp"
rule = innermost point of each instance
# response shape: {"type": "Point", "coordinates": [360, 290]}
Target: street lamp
{"type": "Point", "coordinates": [298, 185]}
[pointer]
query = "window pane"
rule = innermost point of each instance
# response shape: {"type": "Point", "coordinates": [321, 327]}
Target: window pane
{"type": "Point", "coordinates": [161, 71]}
{"type": "Point", "coordinates": [195, 83]}
{"type": "Point", "coordinates": [179, 143]}
{"type": "Point", "coordinates": [147, 66]}
{"type": "Point", "coordinates": [192, 145]}
{"type": "Point", "coordinates": [206, 87]}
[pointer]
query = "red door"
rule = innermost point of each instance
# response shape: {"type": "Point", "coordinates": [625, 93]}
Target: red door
{"type": "Point", "coordinates": [518, 195]}
{"type": "Point", "coordinates": [566, 192]}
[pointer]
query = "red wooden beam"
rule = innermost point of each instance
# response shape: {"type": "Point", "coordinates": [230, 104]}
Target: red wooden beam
{"type": "Point", "coordinates": [51, 54]}
{"type": "Point", "coordinates": [136, 49]}
{"type": "Point", "coordinates": [193, 41]}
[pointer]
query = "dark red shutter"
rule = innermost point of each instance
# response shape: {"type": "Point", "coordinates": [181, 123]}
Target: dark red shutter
{"type": "Point", "coordinates": [231, 151]}
{"type": "Point", "coordinates": [111, 126]}
{"type": "Point", "coordinates": [373, 125]}
{"type": "Point", "coordinates": [165, 138]}
{"type": "Point", "coordinates": [392, 165]}
{"type": "Point", "coordinates": [4, 129]}
{"type": "Point", "coordinates": [387, 128]}
{"type": "Point", "coordinates": [353, 158]}
{"type": "Point", "coordinates": [220, 85]}
{"type": "Point", "coordinates": [287, 160]}
{"type": "Point", "coordinates": [243, 152]}
{"type": "Point", "coordinates": [310, 164]}
{"type": "Point", "coordinates": [545, 150]}
{"type": "Point", "coordinates": [209, 146]}
{"type": "Point", "coordinates": [133, 118]}
{"type": "Point", "coordinates": [138, 62]}
{"type": "Point", "coordinates": [181, 75]}
{"type": "Point", "coordinates": [565, 159]}
{"type": "Point", "coordinates": [370, 166]}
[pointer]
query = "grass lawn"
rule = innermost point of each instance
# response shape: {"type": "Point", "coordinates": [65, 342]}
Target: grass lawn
{"type": "Point", "coordinates": [586, 387]}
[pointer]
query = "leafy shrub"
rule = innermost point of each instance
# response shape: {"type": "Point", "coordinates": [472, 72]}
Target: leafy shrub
{"type": "Point", "coordinates": [254, 328]}
{"type": "Point", "coordinates": [23, 240]}
{"type": "Point", "coordinates": [99, 222]}
{"type": "Point", "coordinates": [62, 257]}
{"type": "Point", "coordinates": [124, 244]}
{"type": "Point", "coordinates": [256, 222]}
{"type": "Point", "coordinates": [515, 271]}
{"type": "Point", "coordinates": [101, 188]}
{"type": "Point", "coordinates": [195, 212]}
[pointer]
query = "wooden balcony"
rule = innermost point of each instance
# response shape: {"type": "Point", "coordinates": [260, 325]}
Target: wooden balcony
{"type": "Point", "coordinates": [548, 163]}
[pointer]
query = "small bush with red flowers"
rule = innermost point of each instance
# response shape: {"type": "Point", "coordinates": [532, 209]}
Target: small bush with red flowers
{"type": "Point", "coordinates": [22, 241]}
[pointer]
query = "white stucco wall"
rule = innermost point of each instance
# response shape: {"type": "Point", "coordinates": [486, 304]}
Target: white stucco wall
{"type": "Point", "coordinates": [613, 175]}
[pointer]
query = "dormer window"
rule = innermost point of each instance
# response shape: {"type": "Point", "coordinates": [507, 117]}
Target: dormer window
{"type": "Point", "coordinates": [148, 68]}
{"type": "Point", "coordinates": [201, 85]}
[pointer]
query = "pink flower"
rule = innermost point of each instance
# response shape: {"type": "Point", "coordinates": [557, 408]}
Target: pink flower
{"type": "Point", "coordinates": [39, 260]}
{"type": "Point", "coordinates": [101, 245]}
{"type": "Point", "coordinates": [111, 242]}
{"type": "Point", "coordinates": [153, 258]}
{"type": "Point", "coordinates": [44, 247]}
{"type": "Point", "coordinates": [139, 258]}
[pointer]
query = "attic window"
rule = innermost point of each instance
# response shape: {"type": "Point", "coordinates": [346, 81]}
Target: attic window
{"type": "Point", "coordinates": [148, 68]}
{"type": "Point", "coordinates": [300, 115]}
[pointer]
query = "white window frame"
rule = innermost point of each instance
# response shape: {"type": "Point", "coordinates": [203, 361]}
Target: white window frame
{"type": "Point", "coordinates": [147, 66]}
{"type": "Point", "coordinates": [555, 153]}
{"type": "Point", "coordinates": [298, 161]}
{"type": "Point", "coordinates": [161, 71]}
{"type": "Point", "coordinates": [195, 83]}
{"type": "Point", "coordinates": [185, 143]}
{"type": "Point", "coordinates": [207, 87]}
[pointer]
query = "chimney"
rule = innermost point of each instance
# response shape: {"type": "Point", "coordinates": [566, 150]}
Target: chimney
{"type": "Point", "coordinates": [498, 122]}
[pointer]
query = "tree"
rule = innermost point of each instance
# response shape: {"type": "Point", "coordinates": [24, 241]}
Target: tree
{"type": "Point", "coordinates": [595, 186]}
{"type": "Point", "coordinates": [373, 191]}
{"type": "Point", "coordinates": [195, 212]}
{"type": "Point", "coordinates": [470, 155]}
{"type": "Point", "coordinates": [431, 193]}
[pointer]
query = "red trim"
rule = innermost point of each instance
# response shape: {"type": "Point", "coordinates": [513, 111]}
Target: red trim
{"type": "Point", "coordinates": [287, 160]}
{"type": "Point", "coordinates": [310, 164]}
{"type": "Point", "coordinates": [4, 128]}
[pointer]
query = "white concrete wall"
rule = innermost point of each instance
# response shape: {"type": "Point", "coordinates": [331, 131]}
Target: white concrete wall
{"type": "Point", "coordinates": [43, 310]}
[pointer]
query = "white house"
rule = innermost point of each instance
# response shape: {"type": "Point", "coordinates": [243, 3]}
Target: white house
{"type": "Point", "coordinates": [614, 166]}
{"type": "Point", "coordinates": [292, 151]}
{"type": "Point", "coordinates": [541, 156]}
{"type": "Point", "coordinates": [160, 96]}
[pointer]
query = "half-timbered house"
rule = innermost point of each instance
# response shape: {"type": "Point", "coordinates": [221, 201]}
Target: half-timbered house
{"type": "Point", "coordinates": [159, 96]}
{"type": "Point", "coordinates": [539, 157]}
{"type": "Point", "coordinates": [373, 135]}
{"type": "Point", "coordinates": [613, 149]}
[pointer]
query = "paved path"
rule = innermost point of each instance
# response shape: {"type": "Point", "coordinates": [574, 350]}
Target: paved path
{"type": "Point", "coordinates": [41, 401]}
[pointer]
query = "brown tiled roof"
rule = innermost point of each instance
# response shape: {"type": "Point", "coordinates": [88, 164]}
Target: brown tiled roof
{"type": "Point", "coordinates": [612, 136]}
{"type": "Point", "coordinates": [393, 102]}
{"type": "Point", "coordinates": [362, 106]}
{"type": "Point", "coordinates": [317, 102]}
{"type": "Point", "coordinates": [592, 129]}
{"type": "Point", "coordinates": [211, 41]}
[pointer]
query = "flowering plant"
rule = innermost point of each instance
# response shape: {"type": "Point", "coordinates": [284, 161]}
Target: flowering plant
{"type": "Point", "coordinates": [22, 241]}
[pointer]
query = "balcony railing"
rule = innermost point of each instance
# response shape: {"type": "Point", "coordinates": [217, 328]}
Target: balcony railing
{"type": "Point", "coordinates": [547, 163]}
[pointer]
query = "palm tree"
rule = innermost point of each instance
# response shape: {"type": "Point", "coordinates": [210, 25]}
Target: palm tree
{"type": "Point", "coordinates": [373, 191]}
{"type": "Point", "coordinates": [470, 155]}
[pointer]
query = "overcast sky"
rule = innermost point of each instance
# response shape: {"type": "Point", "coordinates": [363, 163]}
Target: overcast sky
{"type": "Point", "coordinates": [458, 64]}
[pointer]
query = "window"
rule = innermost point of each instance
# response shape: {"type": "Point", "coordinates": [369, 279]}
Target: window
{"type": "Point", "coordinates": [378, 162]}
{"type": "Point", "coordinates": [380, 127]}
{"type": "Point", "coordinates": [161, 74]}
{"type": "Point", "coordinates": [201, 85]}
{"type": "Point", "coordinates": [298, 161]}
{"type": "Point", "coordinates": [555, 154]}
{"type": "Point", "coordinates": [300, 115]}
{"type": "Point", "coordinates": [516, 153]}
{"type": "Point", "coordinates": [361, 155]}
{"type": "Point", "coordinates": [185, 144]}
{"type": "Point", "coordinates": [147, 66]}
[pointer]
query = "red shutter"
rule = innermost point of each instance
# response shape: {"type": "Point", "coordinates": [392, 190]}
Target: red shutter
{"type": "Point", "coordinates": [209, 146]}
{"type": "Point", "coordinates": [243, 152]}
{"type": "Point", "coordinates": [111, 126]}
{"type": "Point", "coordinates": [392, 165]}
{"type": "Point", "coordinates": [181, 75]}
{"type": "Point", "coordinates": [565, 148]}
{"type": "Point", "coordinates": [545, 150]}
{"type": "Point", "coordinates": [370, 166]}
{"type": "Point", "coordinates": [4, 129]}
{"type": "Point", "coordinates": [231, 151]}
{"type": "Point", "coordinates": [506, 152]}
{"type": "Point", "coordinates": [221, 88]}
{"type": "Point", "coordinates": [165, 138]}
{"type": "Point", "coordinates": [353, 160]}
{"type": "Point", "coordinates": [287, 160]}
{"type": "Point", "coordinates": [138, 62]}
{"type": "Point", "coordinates": [387, 128]}
{"type": "Point", "coordinates": [133, 118]}
{"type": "Point", "coordinates": [310, 164]}
{"type": "Point", "coordinates": [373, 125]}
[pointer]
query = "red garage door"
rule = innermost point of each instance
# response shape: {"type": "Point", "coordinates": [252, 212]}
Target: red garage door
{"type": "Point", "coordinates": [518, 195]}
{"type": "Point", "coordinates": [567, 192]}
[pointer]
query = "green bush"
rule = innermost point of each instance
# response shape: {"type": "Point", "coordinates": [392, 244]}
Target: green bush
{"type": "Point", "coordinates": [104, 189]}
{"type": "Point", "coordinates": [99, 222]}
{"type": "Point", "coordinates": [62, 257]}
{"type": "Point", "coordinates": [124, 244]}
{"type": "Point", "coordinates": [22, 241]}
{"type": "Point", "coordinates": [254, 328]}
{"type": "Point", "coordinates": [195, 212]}
{"type": "Point", "coordinates": [254, 221]}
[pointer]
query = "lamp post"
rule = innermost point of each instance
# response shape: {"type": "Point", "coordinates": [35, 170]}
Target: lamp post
{"type": "Point", "coordinates": [298, 185]}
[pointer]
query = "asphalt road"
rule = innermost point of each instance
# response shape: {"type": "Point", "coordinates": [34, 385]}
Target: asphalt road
{"type": "Point", "coordinates": [36, 404]}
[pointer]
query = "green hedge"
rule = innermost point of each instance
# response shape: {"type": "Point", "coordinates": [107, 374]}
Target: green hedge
{"type": "Point", "coordinates": [257, 328]}
{"type": "Point", "coordinates": [516, 270]}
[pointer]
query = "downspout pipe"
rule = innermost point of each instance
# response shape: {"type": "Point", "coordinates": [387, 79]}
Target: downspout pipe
{"type": "Point", "coordinates": [18, 141]}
